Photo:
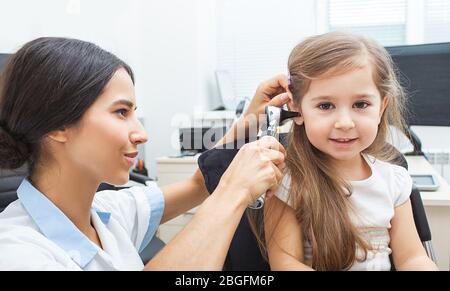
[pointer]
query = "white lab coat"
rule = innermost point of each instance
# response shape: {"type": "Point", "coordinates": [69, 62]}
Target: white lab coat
{"type": "Point", "coordinates": [36, 235]}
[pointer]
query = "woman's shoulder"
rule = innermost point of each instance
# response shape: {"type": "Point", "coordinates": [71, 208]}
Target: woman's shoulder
{"type": "Point", "coordinates": [15, 216]}
{"type": "Point", "coordinates": [16, 225]}
{"type": "Point", "coordinates": [24, 248]}
{"type": "Point", "coordinates": [22, 245]}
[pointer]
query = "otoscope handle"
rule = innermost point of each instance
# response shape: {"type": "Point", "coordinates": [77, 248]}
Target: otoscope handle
{"type": "Point", "coordinates": [259, 203]}
{"type": "Point", "coordinates": [275, 117]}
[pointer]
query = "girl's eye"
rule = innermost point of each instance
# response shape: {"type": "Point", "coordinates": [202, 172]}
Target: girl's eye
{"type": "Point", "coordinates": [122, 112]}
{"type": "Point", "coordinates": [325, 106]}
{"type": "Point", "coordinates": [361, 105]}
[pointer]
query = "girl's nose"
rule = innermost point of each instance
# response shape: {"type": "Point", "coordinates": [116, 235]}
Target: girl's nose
{"type": "Point", "coordinates": [344, 122]}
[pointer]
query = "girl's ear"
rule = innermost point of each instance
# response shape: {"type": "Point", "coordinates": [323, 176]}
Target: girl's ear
{"type": "Point", "coordinates": [293, 107]}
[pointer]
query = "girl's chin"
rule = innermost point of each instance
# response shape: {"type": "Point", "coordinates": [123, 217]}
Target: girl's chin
{"type": "Point", "coordinates": [343, 156]}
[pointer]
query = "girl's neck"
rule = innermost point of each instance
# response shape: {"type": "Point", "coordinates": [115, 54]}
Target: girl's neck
{"type": "Point", "coordinates": [355, 169]}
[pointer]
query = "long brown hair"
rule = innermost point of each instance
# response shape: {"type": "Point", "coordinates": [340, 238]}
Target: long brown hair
{"type": "Point", "coordinates": [317, 193]}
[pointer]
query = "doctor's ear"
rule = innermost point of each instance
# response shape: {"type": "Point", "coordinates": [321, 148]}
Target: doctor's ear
{"type": "Point", "coordinates": [293, 107]}
{"type": "Point", "coordinates": [59, 135]}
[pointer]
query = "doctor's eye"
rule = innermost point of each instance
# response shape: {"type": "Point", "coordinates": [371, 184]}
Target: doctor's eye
{"type": "Point", "coordinates": [325, 106]}
{"type": "Point", "coordinates": [122, 112]}
{"type": "Point", "coordinates": [361, 105]}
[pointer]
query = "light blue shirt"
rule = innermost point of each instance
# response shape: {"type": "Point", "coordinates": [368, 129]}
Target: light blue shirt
{"type": "Point", "coordinates": [36, 235]}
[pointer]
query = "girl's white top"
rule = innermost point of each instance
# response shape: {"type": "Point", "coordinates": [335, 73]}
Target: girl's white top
{"type": "Point", "coordinates": [374, 201]}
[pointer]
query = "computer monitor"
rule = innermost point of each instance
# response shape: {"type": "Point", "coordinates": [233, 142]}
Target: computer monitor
{"type": "Point", "coordinates": [226, 90]}
{"type": "Point", "coordinates": [199, 139]}
{"type": "Point", "coordinates": [424, 71]}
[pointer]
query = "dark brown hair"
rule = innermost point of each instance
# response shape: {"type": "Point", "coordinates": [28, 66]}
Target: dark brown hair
{"type": "Point", "coordinates": [47, 85]}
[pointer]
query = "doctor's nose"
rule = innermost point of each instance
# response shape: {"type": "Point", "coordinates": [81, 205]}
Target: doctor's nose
{"type": "Point", "coordinates": [344, 122]}
{"type": "Point", "coordinates": [138, 135]}
{"type": "Point", "coordinates": [138, 138]}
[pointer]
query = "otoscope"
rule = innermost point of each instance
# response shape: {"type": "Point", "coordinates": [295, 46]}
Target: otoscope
{"type": "Point", "coordinates": [275, 117]}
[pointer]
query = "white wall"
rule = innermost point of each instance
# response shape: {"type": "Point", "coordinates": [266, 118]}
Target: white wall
{"type": "Point", "coordinates": [178, 66]}
{"type": "Point", "coordinates": [170, 44]}
{"type": "Point", "coordinates": [109, 23]}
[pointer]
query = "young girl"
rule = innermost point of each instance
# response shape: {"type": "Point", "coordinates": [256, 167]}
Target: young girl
{"type": "Point", "coordinates": [348, 207]}
{"type": "Point", "coordinates": [67, 110]}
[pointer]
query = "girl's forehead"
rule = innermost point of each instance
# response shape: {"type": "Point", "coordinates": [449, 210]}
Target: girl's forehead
{"type": "Point", "coordinates": [352, 80]}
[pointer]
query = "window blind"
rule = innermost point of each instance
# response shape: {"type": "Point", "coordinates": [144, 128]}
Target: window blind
{"type": "Point", "coordinates": [383, 20]}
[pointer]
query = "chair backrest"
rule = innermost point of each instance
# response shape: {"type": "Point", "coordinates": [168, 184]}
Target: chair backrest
{"type": "Point", "coordinates": [244, 253]}
{"type": "Point", "coordinates": [9, 182]}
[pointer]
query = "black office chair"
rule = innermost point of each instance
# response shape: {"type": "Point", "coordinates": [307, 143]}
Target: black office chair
{"type": "Point", "coordinates": [11, 179]}
{"type": "Point", "coordinates": [244, 253]}
{"type": "Point", "coordinates": [9, 182]}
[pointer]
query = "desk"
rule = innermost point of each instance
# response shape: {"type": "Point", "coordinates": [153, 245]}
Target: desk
{"type": "Point", "coordinates": [168, 171]}
{"type": "Point", "coordinates": [437, 208]}
{"type": "Point", "coordinates": [219, 118]}
{"type": "Point", "coordinates": [437, 203]}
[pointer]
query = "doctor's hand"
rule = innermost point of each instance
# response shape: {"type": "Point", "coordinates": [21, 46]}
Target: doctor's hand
{"type": "Point", "coordinates": [256, 168]}
{"type": "Point", "coordinates": [274, 92]}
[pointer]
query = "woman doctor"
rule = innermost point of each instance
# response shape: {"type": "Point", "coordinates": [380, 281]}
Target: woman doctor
{"type": "Point", "coordinates": [67, 109]}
